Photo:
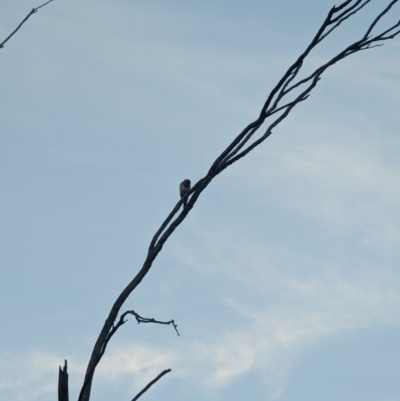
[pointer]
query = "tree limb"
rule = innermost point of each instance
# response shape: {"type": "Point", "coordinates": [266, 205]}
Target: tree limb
{"type": "Point", "coordinates": [121, 322]}
{"type": "Point", "coordinates": [33, 11]}
{"type": "Point", "coordinates": [139, 319]}
{"type": "Point", "coordinates": [164, 372]}
{"type": "Point", "coordinates": [276, 106]}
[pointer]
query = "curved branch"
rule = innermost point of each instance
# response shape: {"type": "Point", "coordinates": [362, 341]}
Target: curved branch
{"type": "Point", "coordinates": [240, 147]}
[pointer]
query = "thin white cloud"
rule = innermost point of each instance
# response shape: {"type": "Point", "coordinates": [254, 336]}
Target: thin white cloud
{"type": "Point", "coordinates": [270, 340]}
{"type": "Point", "coordinates": [306, 301]}
{"type": "Point", "coordinates": [343, 183]}
{"type": "Point", "coordinates": [135, 363]}
{"type": "Point", "coordinates": [32, 376]}
{"type": "Point", "coordinates": [28, 376]}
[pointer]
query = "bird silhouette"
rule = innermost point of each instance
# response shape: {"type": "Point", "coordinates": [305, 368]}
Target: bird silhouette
{"type": "Point", "coordinates": [184, 188]}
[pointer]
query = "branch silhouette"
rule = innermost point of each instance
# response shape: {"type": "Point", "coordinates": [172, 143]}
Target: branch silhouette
{"type": "Point", "coordinates": [164, 372]}
{"type": "Point", "coordinates": [33, 11]}
{"type": "Point", "coordinates": [275, 109]}
{"type": "Point", "coordinates": [139, 319]}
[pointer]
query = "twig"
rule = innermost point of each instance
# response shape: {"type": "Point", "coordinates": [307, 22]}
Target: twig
{"type": "Point", "coordinates": [141, 319]}
{"type": "Point", "coordinates": [33, 11]}
{"type": "Point", "coordinates": [37, 8]}
{"type": "Point", "coordinates": [164, 372]}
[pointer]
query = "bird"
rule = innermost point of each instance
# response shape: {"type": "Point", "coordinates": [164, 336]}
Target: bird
{"type": "Point", "coordinates": [184, 188]}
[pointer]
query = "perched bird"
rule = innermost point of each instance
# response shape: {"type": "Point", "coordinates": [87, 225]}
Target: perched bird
{"type": "Point", "coordinates": [184, 188]}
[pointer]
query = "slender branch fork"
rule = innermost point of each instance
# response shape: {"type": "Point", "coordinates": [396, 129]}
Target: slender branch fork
{"type": "Point", "coordinates": [33, 11]}
{"type": "Point", "coordinates": [139, 319]}
{"type": "Point", "coordinates": [275, 109]}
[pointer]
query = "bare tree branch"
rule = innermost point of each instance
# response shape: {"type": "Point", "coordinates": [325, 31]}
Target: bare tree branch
{"type": "Point", "coordinates": [385, 11]}
{"type": "Point", "coordinates": [33, 11]}
{"type": "Point", "coordinates": [141, 319]}
{"type": "Point", "coordinates": [284, 87]}
{"type": "Point", "coordinates": [277, 106]}
{"type": "Point", "coordinates": [121, 322]}
{"type": "Point", "coordinates": [164, 372]}
{"type": "Point", "coordinates": [345, 15]}
{"type": "Point", "coordinates": [37, 8]}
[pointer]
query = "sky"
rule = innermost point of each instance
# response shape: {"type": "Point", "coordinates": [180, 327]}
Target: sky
{"type": "Point", "coordinates": [283, 279]}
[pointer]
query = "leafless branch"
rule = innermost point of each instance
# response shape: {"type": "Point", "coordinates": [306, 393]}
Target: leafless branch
{"type": "Point", "coordinates": [37, 8]}
{"type": "Point", "coordinates": [379, 17]}
{"type": "Point", "coordinates": [164, 372]}
{"type": "Point", "coordinates": [141, 319]}
{"type": "Point", "coordinates": [286, 85]}
{"type": "Point", "coordinates": [33, 11]}
{"type": "Point", "coordinates": [121, 322]}
{"type": "Point", "coordinates": [275, 109]}
{"type": "Point", "coordinates": [345, 15]}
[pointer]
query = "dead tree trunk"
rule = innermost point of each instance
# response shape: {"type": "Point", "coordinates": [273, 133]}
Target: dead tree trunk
{"type": "Point", "coordinates": [63, 383]}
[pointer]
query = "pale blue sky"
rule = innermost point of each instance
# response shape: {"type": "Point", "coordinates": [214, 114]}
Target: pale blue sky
{"type": "Point", "coordinates": [284, 279]}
